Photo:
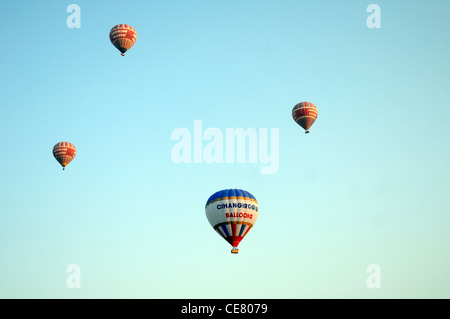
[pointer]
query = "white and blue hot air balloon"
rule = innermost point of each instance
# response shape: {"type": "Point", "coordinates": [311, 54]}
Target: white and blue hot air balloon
{"type": "Point", "coordinates": [232, 213]}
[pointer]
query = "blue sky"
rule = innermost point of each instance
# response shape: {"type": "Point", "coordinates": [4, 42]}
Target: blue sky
{"type": "Point", "coordinates": [368, 185]}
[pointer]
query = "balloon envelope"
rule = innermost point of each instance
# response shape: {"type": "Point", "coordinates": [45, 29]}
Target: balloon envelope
{"type": "Point", "coordinates": [232, 213]}
{"type": "Point", "coordinates": [123, 37]}
{"type": "Point", "coordinates": [305, 114]}
{"type": "Point", "coordinates": [64, 153]}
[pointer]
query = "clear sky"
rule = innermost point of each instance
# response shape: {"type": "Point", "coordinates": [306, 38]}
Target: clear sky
{"type": "Point", "coordinates": [368, 186]}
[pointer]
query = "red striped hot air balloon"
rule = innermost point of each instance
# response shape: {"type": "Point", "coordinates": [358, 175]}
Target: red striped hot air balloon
{"type": "Point", "coordinates": [304, 114]}
{"type": "Point", "coordinates": [123, 37]}
{"type": "Point", "coordinates": [64, 153]}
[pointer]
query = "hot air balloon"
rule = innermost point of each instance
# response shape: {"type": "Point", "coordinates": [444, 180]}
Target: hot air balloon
{"type": "Point", "coordinates": [123, 37]}
{"type": "Point", "coordinates": [232, 213]}
{"type": "Point", "coordinates": [64, 153]}
{"type": "Point", "coordinates": [305, 113]}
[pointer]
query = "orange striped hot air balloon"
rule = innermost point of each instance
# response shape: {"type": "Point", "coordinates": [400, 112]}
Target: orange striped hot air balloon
{"type": "Point", "coordinates": [304, 114]}
{"type": "Point", "coordinates": [64, 153]}
{"type": "Point", "coordinates": [123, 37]}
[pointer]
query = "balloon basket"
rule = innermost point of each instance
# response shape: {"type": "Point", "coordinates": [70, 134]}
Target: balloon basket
{"type": "Point", "coordinates": [306, 132]}
{"type": "Point", "coordinates": [234, 250]}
